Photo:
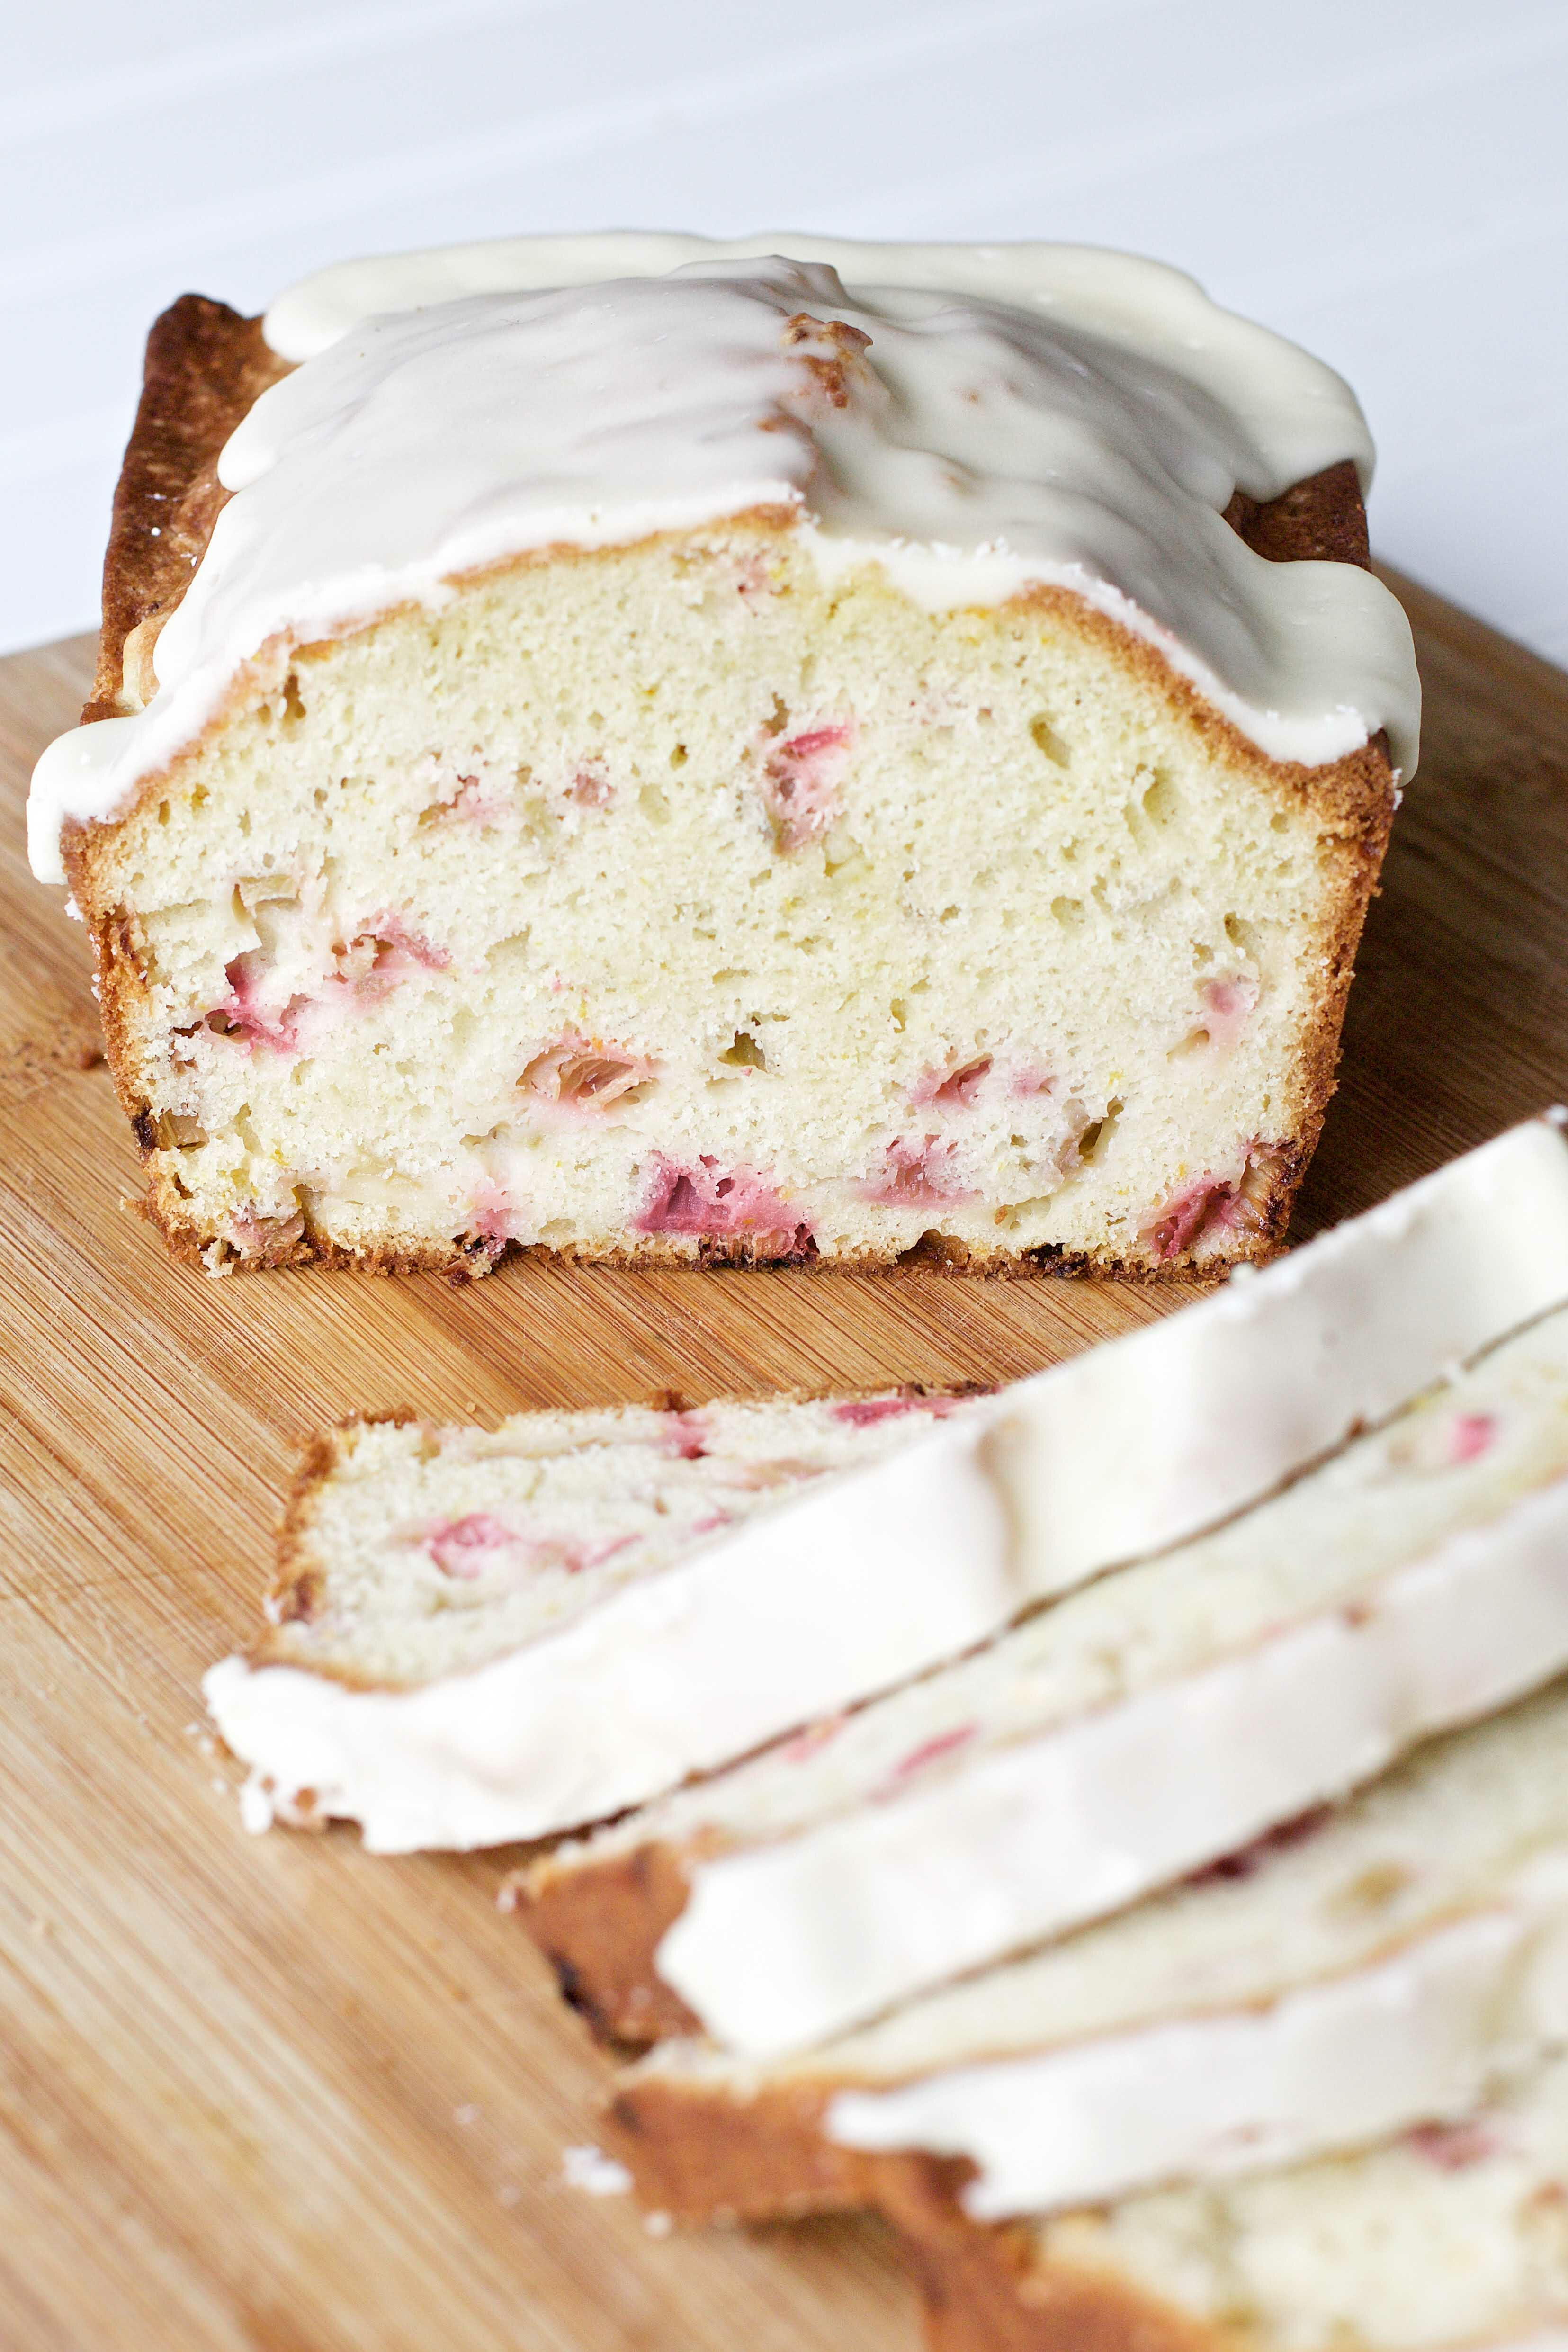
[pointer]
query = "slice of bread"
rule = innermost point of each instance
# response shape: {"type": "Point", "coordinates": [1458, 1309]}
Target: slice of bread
{"type": "Point", "coordinates": [439, 1584]}
{"type": "Point", "coordinates": [1131, 1733]}
{"type": "Point", "coordinates": [687, 1658]}
{"type": "Point", "coordinates": [1450, 2236]}
{"type": "Point", "coordinates": [671, 770]}
{"type": "Point", "coordinates": [1368, 1969]}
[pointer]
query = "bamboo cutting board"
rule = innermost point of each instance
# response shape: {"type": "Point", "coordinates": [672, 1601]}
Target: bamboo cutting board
{"type": "Point", "coordinates": [272, 2095]}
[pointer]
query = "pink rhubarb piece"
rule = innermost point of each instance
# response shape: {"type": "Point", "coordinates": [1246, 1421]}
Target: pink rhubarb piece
{"type": "Point", "coordinates": [802, 779]}
{"type": "Point", "coordinates": [918, 1176]}
{"type": "Point", "coordinates": [583, 1075]}
{"type": "Point", "coordinates": [716, 1204]}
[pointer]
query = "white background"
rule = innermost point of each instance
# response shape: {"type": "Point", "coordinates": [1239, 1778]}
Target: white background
{"type": "Point", "coordinates": [1387, 179]}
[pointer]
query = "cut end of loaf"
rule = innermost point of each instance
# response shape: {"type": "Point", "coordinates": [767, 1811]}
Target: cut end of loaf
{"type": "Point", "coordinates": [806, 926]}
{"type": "Point", "coordinates": [409, 1553]}
{"type": "Point", "coordinates": [418, 1675]}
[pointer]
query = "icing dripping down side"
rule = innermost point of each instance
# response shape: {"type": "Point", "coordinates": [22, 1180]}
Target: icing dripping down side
{"type": "Point", "coordinates": [975, 429]}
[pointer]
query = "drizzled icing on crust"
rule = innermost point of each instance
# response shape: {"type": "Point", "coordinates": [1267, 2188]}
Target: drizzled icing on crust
{"type": "Point", "coordinates": [974, 421]}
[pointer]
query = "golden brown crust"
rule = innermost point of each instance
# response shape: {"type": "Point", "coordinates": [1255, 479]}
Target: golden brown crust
{"type": "Point", "coordinates": [985, 2287]}
{"type": "Point", "coordinates": [1320, 520]}
{"type": "Point", "coordinates": [701, 2158]}
{"type": "Point", "coordinates": [292, 1243]}
{"type": "Point", "coordinates": [295, 1591]}
{"type": "Point", "coordinates": [986, 2290]}
{"type": "Point", "coordinates": [207, 365]}
{"type": "Point", "coordinates": [600, 1927]}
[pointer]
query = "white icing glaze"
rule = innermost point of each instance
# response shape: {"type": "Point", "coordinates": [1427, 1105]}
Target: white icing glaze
{"type": "Point", "coordinates": [674, 1675]}
{"type": "Point", "coordinates": [909, 1561]}
{"type": "Point", "coordinates": [781, 1946]}
{"type": "Point", "coordinates": [1420, 2037]}
{"type": "Point", "coordinates": [74, 776]}
{"type": "Point", "coordinates": [1047, 415]}
{"type": "Point", "coordinates": [1216, 1404]}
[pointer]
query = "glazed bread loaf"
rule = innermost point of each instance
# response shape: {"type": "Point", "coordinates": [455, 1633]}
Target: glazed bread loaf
{"type": "Point", "coordinates": [524, 1697]}
{"type": "Point", "coordinates": [1362, 1971]}
{"type": "Point", "coordinates": [616, 747]}
{"type": "Point", "coordinates": [1133, 1733]}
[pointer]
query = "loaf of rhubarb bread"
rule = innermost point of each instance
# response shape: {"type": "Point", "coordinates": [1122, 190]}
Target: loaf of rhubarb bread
{"type": "Point", "coordinates": [656, 751]}
{"type": "Point", "coordinates": [483, 1636]}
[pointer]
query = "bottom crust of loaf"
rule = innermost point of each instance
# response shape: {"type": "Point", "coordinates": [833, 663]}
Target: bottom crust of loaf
{"type": "Point", "coordinates": [983, 2290]}
{"type": "Point", "coordinates": [712, 2158]}
{"type": "Point", "coordinates": [704, 2156]}
{"type": "Point", "coordinates": [268, 1246]}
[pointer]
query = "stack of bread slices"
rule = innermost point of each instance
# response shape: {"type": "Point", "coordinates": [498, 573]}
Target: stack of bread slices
{"type": "Point", "coordinates": [1117, 1827]}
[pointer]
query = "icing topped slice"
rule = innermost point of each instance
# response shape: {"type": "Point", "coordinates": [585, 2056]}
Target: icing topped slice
{"type": "Point", "coordinates": [977, 422]}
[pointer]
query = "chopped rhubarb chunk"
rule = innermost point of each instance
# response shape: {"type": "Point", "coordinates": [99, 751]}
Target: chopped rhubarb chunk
{"type": "Point", "coordinates": [494, 1217]}
{"type": "Point", "coordinates": [684, 1435]}
{"type": "Point", "coordinates": [917, 1176]}
{"type": "Point", "coordinates": [753, 578]}
{"type": "Point", "coordinates": [1452, 2148]}
{"type": "Point", "coordinates": [244, 1014]}
{"type": "Point", "coordinates": [362, 970]}
{"type": "Point", "coordinates": [1469, 1436]}
{"type": "Point", "coordinates": [568, 1552]}
{"type": "Point", "coordinates": [863, 1413]}
{"type": "Point", "coordinates": [590, 788]}
{"type": "Point", "coordinates": [802, 779]}
{"type": "Point", "coordinates": [1227, 1006]}
{"type": "Point", "coordinates": [399, 951]}
{"type": "Point", "coordinates": [472, 804]}
{"type": "Point", "coordinates": [931, 1751]}
{"type": "Point", "coordinates": [716, 1205]}
{"type": "Point", "coordinates": [954, 1089]}
{"type": "Point", "coordinates": [1189, 1214]}
{"type": "Point", "coordinates": [1214, 1204]}
{"type": "Point", "coordinates": [805, 1744]}
{"type": "Point", "coordinates": [584, 1075]}
{"type": "Point", "coordinates": [469, 1548]}
{"type": "Point", "coordinates": [466, 1547]}
{"type": "Point", "coordinates": [382, 953]}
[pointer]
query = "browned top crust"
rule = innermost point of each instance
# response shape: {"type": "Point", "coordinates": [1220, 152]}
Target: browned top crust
{"type": "Point", "coordinates": [205, 367]}
{"type": "Point", "coordinates": [1320, 520]}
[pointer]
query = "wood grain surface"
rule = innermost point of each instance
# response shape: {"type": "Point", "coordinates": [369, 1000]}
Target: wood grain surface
{"type": "Point", "coordinates": [270, 2095]}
